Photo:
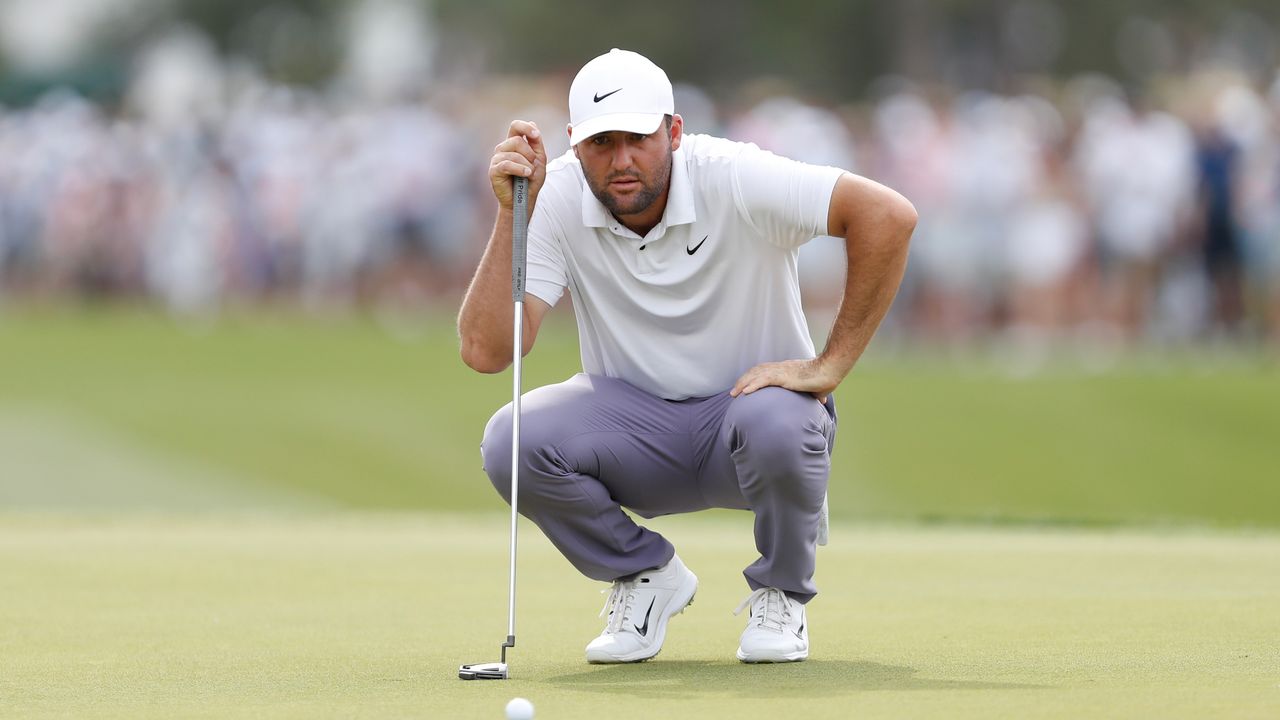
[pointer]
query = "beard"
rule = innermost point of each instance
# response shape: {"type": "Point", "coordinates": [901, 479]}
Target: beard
{"type": "Point", "coordinates": [650, 190]}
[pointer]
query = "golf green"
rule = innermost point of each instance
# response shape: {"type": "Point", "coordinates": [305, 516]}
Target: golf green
{"type": "Point", "coordinates": [368, 616]}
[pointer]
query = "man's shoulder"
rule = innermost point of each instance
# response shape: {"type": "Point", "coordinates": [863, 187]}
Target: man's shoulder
{"type": "Point", "coordinates": [564, 180]}
{"type": "Point", "coordinates": [709, 149]}
{"type": "Point", "coordinates": [565, 164]}
{"type": "Point", "coordinates": [711, 162]}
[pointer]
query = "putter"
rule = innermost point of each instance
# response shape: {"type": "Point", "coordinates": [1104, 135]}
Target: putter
{"type": "Point", "coordinates": [519, 239]}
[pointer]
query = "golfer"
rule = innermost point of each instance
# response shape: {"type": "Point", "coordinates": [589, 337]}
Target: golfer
{"type": "Point", "coordinates": [701, 387]}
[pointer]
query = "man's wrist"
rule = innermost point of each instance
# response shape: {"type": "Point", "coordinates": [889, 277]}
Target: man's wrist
{"type": "Point", "coordinates": [833, 367]}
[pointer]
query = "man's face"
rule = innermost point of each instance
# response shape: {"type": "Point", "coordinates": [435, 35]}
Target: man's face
{"type": "Point", "coordinates": [629, 172]}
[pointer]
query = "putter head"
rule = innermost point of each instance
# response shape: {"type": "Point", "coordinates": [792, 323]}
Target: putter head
{"type": "Point", "coordinates": [483, 671]}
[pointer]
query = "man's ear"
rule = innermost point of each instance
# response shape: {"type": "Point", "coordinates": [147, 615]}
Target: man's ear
{"type": "Point", "coordinates": [677, 131]}
{"type": "Point", "coordinates": [568, 129]}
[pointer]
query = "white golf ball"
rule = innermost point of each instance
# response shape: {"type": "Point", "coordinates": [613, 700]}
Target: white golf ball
{"type": "Point", "coordinates": [519, 709]}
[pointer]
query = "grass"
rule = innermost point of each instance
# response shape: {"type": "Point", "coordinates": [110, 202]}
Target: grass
{"type": "Point", "coordinates": [283, 516]}
{"type": "Point", "coordinates": [128, 408]}
{"type": "Point", "coordinates": [368, 616]}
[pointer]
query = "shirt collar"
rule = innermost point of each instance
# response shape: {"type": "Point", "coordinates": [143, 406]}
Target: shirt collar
{"type": "Point", "coordinates": [680, 210]}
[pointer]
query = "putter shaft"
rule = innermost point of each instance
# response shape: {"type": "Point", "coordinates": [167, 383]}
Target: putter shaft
{"type": "Point", "coordinates": [519, 241]}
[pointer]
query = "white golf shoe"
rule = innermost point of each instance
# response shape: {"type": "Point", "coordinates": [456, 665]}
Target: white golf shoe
{"type": "Point", "coordinates": [776, 631]}
{"type": "Point", "coordinates": [639, 608]}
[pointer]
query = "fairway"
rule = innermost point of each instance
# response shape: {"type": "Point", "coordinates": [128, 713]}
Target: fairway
{"type": "Point", "coordinates": [128, 409]}
{"type": "Point", "coordinates": [369, 616]}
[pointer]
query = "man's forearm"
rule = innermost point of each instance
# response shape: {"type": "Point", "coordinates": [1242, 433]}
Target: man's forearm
{"type": "Point", "coordinates": [876, 224]}
{"type": "Point", "coordinates": [485, 317]}
{"type": "Point", "coordinates": [875, 269]}
{"type": "Point", "coordinates": [484, 321]}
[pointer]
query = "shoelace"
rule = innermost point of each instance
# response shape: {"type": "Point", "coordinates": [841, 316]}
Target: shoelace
{"type": "Point", "coordinates": [618, 604]}
{"type": "Point", "coordinates": [770, 608]}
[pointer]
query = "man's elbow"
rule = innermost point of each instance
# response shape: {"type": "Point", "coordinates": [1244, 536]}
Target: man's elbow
{"type": "Point", "coordinates": [868, 209]}
{"type": "Point", "coordinates": [903, 217]}
{"type": "Point", "coordinates": [483, 360]}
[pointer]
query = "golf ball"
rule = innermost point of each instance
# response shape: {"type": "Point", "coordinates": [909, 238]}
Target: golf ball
{"type": "Point", "coordinates": [519, 709]}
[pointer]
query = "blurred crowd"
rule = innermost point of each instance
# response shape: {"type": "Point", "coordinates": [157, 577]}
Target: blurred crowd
{"type": "Point", "coordinates": [1082, 210]}
{"type": "Point", "coordinates": [278, 198]}
{"type": "Point", "coordinates": [1091, 213]}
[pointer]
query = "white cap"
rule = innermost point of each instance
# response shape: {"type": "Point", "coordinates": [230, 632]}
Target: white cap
{"type": "Point", "coordinates": [619, 90]}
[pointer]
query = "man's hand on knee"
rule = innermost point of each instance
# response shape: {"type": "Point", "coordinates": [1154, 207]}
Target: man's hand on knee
{"type": "Point", "coordinates": [811, 376]}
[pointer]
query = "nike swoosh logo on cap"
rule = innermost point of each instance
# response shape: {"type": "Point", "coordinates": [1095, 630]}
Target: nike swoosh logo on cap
{"type": "Point", "coordinates": [598, 98]}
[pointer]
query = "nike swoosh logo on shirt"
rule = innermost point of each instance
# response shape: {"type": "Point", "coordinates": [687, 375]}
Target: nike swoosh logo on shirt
{"type": "Point", "coordinates": [598, 98]}
{"type": "Point", "coordinates": [694, 249]}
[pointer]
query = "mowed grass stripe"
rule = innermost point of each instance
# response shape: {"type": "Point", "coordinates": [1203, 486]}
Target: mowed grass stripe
{"type": "Point", "coordinates": [338, 409]}
{"type": "Point", "coordinates": [53, 460]}
{"type": "Point", "coordinates": [369, 616]}
{"type": "Point", "coordinates": [1136, 444]}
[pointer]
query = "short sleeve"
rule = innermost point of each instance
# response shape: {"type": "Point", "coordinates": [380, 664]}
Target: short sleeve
{"type": "Point", "coordinates": [786, 200]}
{"type": "Point", "coordinates": [546, 275]}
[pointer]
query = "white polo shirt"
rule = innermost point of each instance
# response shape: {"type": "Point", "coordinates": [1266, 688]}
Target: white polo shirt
{"type": "Point", "coordinates": [709, 292]}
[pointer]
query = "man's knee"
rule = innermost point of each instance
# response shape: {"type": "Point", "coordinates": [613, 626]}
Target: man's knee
{"type": "Point", "coordinates": [495, 451]}
{"type": "Point", "coordinates": [540, 459]}
{"type": "Point", "coordinates": [782, 433]}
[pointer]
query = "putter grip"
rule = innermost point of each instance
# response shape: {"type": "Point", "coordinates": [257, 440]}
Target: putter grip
{"type": "Point", "coordinates": [519, 237]}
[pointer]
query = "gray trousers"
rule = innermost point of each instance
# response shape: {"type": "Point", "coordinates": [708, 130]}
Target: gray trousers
{"type": "Point", "coordinates": [593, 445]}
